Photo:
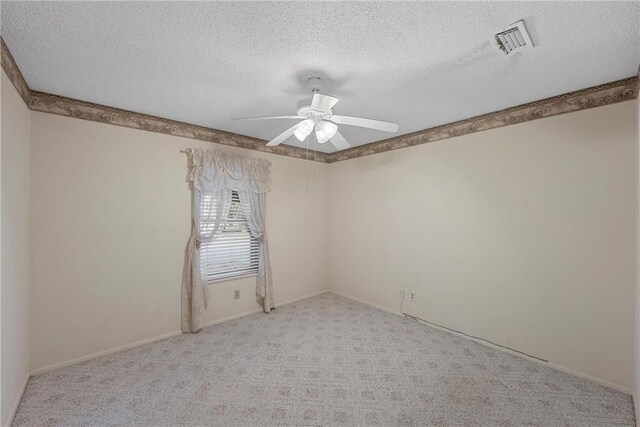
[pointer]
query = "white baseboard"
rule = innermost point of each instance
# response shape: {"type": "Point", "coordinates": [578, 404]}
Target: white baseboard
{"type": "Point", "coordinates": [160, 337]}
{"type": "Point", "coordinates": [588, 378]}
{"type": "Point", "coordinates": [258, 310]}
{"type": "Point", "coordinates": [104, 353]}
{"type": "Point", "coordinates": [247, 313]}
{"type": "Point", "coordinates": [503, 349]}
{"type": "Point", "coordinates": [17, 402]}
{"type": "Point", "coordinates": [370, 304]}
{"type": "Point", "coordinates": [534, 360]}
{"type": "Point", "coordinates": [280, 304]}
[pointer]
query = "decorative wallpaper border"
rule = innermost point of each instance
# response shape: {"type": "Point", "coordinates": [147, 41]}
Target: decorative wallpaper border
{"type": "Point", "coordinates": [596, 96]}
{"type": "Point", "coordinates": [13, 72]}
{"type": "Point", "coordinates": [54, 104]}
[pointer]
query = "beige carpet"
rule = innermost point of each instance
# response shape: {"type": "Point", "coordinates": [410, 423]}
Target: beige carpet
{"type": "Point", "coordinates": [327, 361]}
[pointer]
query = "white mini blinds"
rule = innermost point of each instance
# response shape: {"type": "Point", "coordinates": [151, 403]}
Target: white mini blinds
{"type": "Point", "coordinates": [233, 251]}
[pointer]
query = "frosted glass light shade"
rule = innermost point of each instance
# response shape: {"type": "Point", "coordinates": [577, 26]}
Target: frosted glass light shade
{"type": "Point", "coordinates": [328, 128]}
{"type": "Point", "coordinates": [321, 136]}
{"type": "Point", "coordinates": [325, 130]}
{"type": "Point", "coordinates": [304, 129]}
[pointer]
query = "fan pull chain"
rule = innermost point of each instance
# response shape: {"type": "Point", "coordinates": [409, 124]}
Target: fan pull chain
{"type": "Point", "coordinates": [306, 140]}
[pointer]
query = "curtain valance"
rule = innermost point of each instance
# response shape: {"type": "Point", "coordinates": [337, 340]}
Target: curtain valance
{"type": "Point", "coordinates": [212, 171]}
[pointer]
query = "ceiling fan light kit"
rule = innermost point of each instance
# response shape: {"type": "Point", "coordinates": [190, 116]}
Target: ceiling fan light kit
{"type": "Point", "coordinates": [319, 116]}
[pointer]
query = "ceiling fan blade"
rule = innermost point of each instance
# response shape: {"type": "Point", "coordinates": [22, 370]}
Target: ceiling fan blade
{"type": "Point", "coordinates": [365, 123]}
{"type": "Point", "coordinates": [339, 142]}
{"type": "Point", "coordinates": [322, 102]}
{"type": "Point", "coordinates": [284, 135]}
{"type": "Point", "coordinates": [269, 118]}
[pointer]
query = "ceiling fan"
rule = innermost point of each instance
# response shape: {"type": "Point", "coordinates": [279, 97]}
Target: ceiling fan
{"type": "Point", "coordinates": [319, 116]}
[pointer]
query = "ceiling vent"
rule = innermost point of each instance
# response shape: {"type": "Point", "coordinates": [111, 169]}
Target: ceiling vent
{"type": "Point", "coordinates": [514, 37]}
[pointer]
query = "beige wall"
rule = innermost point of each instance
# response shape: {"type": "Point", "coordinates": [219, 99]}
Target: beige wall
{"type": "Point", "coordinates": [110, 221]}
{"type": "Point", "coordinates": [522, 235]}
{"type": "Point", "coordinates": [14, 265]}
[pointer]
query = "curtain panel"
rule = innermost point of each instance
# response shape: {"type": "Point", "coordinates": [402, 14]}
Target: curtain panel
{"type": "Point", "coordinates": [216, 174]}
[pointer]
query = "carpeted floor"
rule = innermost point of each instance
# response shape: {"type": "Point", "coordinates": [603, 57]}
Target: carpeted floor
{"type": "Point", "coordinates": [327, 361]}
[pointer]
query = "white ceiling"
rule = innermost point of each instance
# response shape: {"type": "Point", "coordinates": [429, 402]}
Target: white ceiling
{"type": "Point", "coordinates": [418, 64]}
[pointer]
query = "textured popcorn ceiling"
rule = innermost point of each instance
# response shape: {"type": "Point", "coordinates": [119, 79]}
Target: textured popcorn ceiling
{"type": "Point", "coordinates": [418, 64]}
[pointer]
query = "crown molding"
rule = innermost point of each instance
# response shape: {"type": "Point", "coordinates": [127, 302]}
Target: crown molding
{"type": "Point", "coordinates": [596, 96]}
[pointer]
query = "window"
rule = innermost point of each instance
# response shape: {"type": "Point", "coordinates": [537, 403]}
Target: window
{"type": "Point", "coordinates": [233, 252]}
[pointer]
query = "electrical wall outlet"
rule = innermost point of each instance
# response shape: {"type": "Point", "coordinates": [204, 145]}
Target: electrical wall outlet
{"type": "Point", "coordinates": [236, 294]}
{"type": "Point", "coordinates": [412, 296]}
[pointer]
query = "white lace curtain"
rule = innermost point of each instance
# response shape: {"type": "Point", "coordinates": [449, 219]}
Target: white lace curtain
{"type": "Point", "coordinates": [216, 175]}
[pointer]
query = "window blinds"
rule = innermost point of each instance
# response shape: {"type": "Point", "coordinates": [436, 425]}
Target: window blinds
{"type": "Point", "coordinates": [233, 252]}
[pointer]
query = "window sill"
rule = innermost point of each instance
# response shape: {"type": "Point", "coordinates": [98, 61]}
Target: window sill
{"type": "Point", "coordinates": [227, 279]}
